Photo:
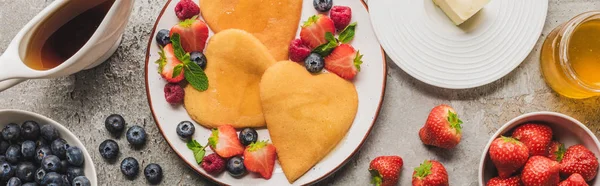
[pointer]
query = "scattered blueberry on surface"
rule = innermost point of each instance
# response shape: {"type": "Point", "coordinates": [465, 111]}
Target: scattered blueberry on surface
{"type": "Point", "coordinates": [185, 129]}
{"type": "Point", "coordinates": [13, 153]}
{"type": "Point", "coordinates": [52, 178]}
{"type": "Point", "coordinates": [49, 133]}
{"type": "Point", "coordinates": [28, 149]}
{"type": "Point", "coordinates": [314, 63]}
{"type": "Point", "coordinates": [51, 163]}
{"type": "Point", "coordinates": [75, 156]}
{"type": "Point", "coordinates": [42, 152]}
{"type": "Point", "coordinates": [199, 59]}
{"type": "Point", "coordinates": [322, 5]}
{"type": "Point", "coordinates": [162, 37]}
{"type": "Point", "coordinates": [81, 181]}
{"type": "Point", "coordinates": [109, 149]}
{"type": "Point", "coordinates": [73, 172]}
{"type": "Point", "coordinates": [153, 173]}
{"type": "Point", "coordinates": [30, 130]}
{"type": "Point", "coordinates": [248, 136]}
{"type": "Point", "coordinates": [115, 124]}
{"type": "Point", "coordinates": [59, 147]}
{"type": "Point", "coordinates": [136, 135]}
{"type": "Point", "coordinates": [25, 171]}
{"type": "Point", "coordinates": [11, 132]}
{"type": "Point", "coordinates": [235, 166]}
{"type": "Point", "coordinates": [6, 171]}
{"type": "Point", "coordinates": [130, 167]}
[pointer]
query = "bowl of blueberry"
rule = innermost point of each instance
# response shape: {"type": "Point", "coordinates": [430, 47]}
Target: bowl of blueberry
{"type": "Point", "coordinates": [35, 150]}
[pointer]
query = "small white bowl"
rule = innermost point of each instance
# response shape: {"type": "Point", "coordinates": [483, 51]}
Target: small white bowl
{"type": "Point", "coordinates": [567, 130]}
{"type": "Point", "coordinates": [19, 116]}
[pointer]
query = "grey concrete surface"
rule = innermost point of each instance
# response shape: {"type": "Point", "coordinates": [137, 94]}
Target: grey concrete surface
{"type": "Point", "coordinates": [83, 100]}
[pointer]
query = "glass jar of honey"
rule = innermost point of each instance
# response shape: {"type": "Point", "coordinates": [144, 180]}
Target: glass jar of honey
{"type": "Point", "coordinates": [570, 57]}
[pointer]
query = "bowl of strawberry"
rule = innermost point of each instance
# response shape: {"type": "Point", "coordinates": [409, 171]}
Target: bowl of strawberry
{"type": "Point", "coordinates": [541, 148]}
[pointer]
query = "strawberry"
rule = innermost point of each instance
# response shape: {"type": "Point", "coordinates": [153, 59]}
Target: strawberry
{"type": "Point", "coordinates": [512, 181]}
{"type": "Point", "coordinates": [224, 141]}
{"type": "Point", "coordinates": [430, 173]}
{"type": "Point", "coordinates": [313, 31]}
{"type": "Point", "coordinates": [579, 159]}
{"type": "Point", "coordinates": [344, 61]}
{"type": "Point", "coordinates": [442, 128]}
{"type": "Point", "coordinates": [556, 151]}
{"type": "Point", "coordinates": [540, 170]}
{"type": "Point", "coordinates": [167, 63]}
{"type": "Point", "coordinates": [386, 170]}
{"type": "Point", "coordinates": [574, 180]}
{"type": "Point", "coordinates": [536, 137]}
{"type": "Point", "coordinates": [508, 155]}
{"type": "Point", "coordinates": [260, 157]}
{"type": "Point", "coordinates": [193, 32]}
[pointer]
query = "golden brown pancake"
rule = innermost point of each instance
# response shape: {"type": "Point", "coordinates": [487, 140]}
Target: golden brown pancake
{"type": "Point", "coordinates": [307, 115]}
{"type": "Point", "coordinates": [236, 62]}
{"type": "Point", "coordinates": [274, 22]}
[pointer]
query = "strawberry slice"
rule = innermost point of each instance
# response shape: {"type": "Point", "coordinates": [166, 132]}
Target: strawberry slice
{"type": "Point", "coordinates": [224, 141]}
{"type": "Point", "coordinates": [167, 64]}
{"type": "Point", "coordinates": [193, 32]}
{"type": "Point", "coordinates": [313, 31]}
{"type": "Point", "coordinates": [344, 61]}
{"type": "Point", "coordinates": [259, 157]}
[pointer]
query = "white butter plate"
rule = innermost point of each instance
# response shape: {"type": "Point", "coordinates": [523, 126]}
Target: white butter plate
{"type": "Point", "coordinates": [423, 41]}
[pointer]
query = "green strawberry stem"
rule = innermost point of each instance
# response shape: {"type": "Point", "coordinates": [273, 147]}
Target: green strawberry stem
{"type": "Point", "coordinates": [560, 153]}
{"type": "Point", "coordinates": [257, 145]}
{"type": "Point", "coordinates": [188, 22]}
{"type": "Point", "coordinates": [214, 138]}
{"type": "Point", "coordinates": [509, 140]}
{"type": "Point", "coordinates": [423, 170]}
{"type": "Point", "coordinates": [377, 178]}
{"type": "Point", "coordinates": [454, 121]}
{"type": "Point", "coordinates": [311, 20]}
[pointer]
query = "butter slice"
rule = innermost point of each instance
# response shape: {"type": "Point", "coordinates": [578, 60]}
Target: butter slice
{"type": "Point", "coordinates": [460, 10]}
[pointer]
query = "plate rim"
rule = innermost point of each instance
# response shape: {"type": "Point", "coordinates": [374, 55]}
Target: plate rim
{"type": "Point", "coordinates": [212, 179]}
{"type": "Point", "coordinates": [414, 75]}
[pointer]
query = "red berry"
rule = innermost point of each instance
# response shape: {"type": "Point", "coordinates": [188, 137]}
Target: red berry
{"type": "Point", "coordinates": [512, 181]}
{"type": "Point", "coordinates": [579, 159]}
{"type": "Point", "coordinates": [540, 170]}
{"type": "Point", "coordinates": [344, 61]}
{"type": "Point", "coordinates": [536, 137]}
{"type": "Point", "coordinates": [385, 170]}
{"type": "Point", "coordinates": [314, 29]}
{"type": "Point", "coordinates": [186, 9]}
{"type": "Point", "coordinates": [193, 34]}
{"type": "Point", "coordinates": [213, 164]}
{"type": "Point", "coordinates": [508, 155]}
{"type": "Point", "coordinates": [260, 157]}
{"type": "Point", "coordinates": [341, 16]}
{"type": "Point", "coordinates": [574, 180]}
{"type": "Point", "coordinates": [298, 51]}
{"type": "Point", "coordinates": [224, 141]}
{"type": "Point", "coordinates": [174, 93]}
{"type": "Point", "coordinates": [556, 151]}
{"type": "Point", "coordinates": [430, 173]}
{"type": "Point", "coordinates": [167, 64]}
{"type": "Point", "coordinates": [442, 128]}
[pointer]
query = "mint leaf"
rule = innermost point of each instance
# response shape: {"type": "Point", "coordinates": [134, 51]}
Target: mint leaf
{"type": "Point", "coordinates": [325, 49]}
{"type": "Point", "coordinates": [348, 33]}
{"type": "Point", "coordinates": [197, 149]}
{"type": "Point", "coordinates": [193, 145]}
{"type": "Point", "coordinates": [177, 49]}
{"type": "Point", "coordinates": [199, 155]}
{"type": "Point", "coordinates": [329, 37]}
{"type": "Point", "coordinates": [195, 76]}
{"type": "Point", "coordinates": [177, 70]}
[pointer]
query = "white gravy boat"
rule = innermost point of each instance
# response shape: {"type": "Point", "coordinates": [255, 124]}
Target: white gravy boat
{"type": "Point", "coordinates": [100, 46]}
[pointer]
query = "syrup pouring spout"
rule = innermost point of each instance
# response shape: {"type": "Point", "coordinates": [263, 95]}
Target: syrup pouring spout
{"type": "Point", "coordinates": [7, 74]}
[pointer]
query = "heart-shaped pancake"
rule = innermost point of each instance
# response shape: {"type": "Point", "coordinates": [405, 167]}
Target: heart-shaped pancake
{"type": "Point", "coordinates": [307, 115]}
{"type": "Point", "coordinates": [274, 22]}
{"type": "Point", "coordinates": [236, 62]}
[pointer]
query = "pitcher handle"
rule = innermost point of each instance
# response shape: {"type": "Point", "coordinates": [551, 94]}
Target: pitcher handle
{"type": "Point", "coordinates": [9, 83]}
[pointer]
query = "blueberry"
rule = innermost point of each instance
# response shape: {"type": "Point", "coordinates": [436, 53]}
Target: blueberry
{"type": "Point", "coordinates": [25, 171]}
{"type": "Point", "coordinates": [322, 5]}
{"type": "Point", "coordinates": [28, 149]}
{"type": "Point", "coordinates": [30, 184]}
{"type": "Point", "coordinates": [4, 146]}
{"type": "Point", "coordinates": [6, 171]}
{"type": "Point", "coordinates": [136, 135]}
{"type": "Point", "coordinates": [153, 173]}
{"type": "Point", "coordinates": [109, 149]}
{"type": "Point", "coordinates": [235, 166]}
{"type": "Point", "coordinates": [49, 133]}
{"type": "Point", "coordinates": [39, 175]}
{"type": "Point", "coordinates": [314, 63]}
{"type": "Point", "coordinates": [14, 181]}
{"type": "Point", "coordinates": [30, 130]}
{"type": "Point", "coordinates": [64, 164]}
{"type": "Point", "coordinates": [75, 156]}
{"type": "Point", "coordinates": [198, 58]}
{"type": "Point", "coordinates": [162, 37]}
{"type": "Point", "coordinates": [73, 172]}
{"type": "Point", "coordinates": [248, 136]}
{"type": "Point", "coordinates": [13, 154]}
{"type": "Point", "coordinates": [52, 178]}
{"type": "Point", "coordinates": [115, 123]}
{"type": "Point", "coordinates": [51, 163]}
{"type": "Point", "coordinates": [81, 181]}
{"type": "Point", "coordinates": [42, 152]}
{"type": "Point", "coordinates": [59, 147]}
{"type": "Point", "coordinates": [185, 129]}
{"type": "Point", "coordinates": [11, 132]}
{"type": "Point", "coordinates": [130, 167]}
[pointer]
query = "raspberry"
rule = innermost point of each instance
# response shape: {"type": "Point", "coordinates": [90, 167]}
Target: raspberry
{"type": "Point", "coordinates": [298, 51]}
{"type": "Point", "coordinates": [213, 164]}
{"type": "Point", "coordinates": [341, 16]}
{"type": "Point", "coordinates": [174, 93]}
{"type": "Point", "coordinates": [186, 9]}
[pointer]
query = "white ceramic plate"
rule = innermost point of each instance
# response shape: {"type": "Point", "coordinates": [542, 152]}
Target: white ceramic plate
{"type": "Point", "coordinates": [370, 84]}
{"type": "Point", "coordinates": [421, 40]}
{"type": "Point", "coordinates": [19, 116]}
{"type": "Point", "coordinates": [566, 130]}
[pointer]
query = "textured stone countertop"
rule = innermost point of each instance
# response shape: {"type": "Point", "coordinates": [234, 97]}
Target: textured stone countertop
{"type": "Point", "coordinates": [82, 101]}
